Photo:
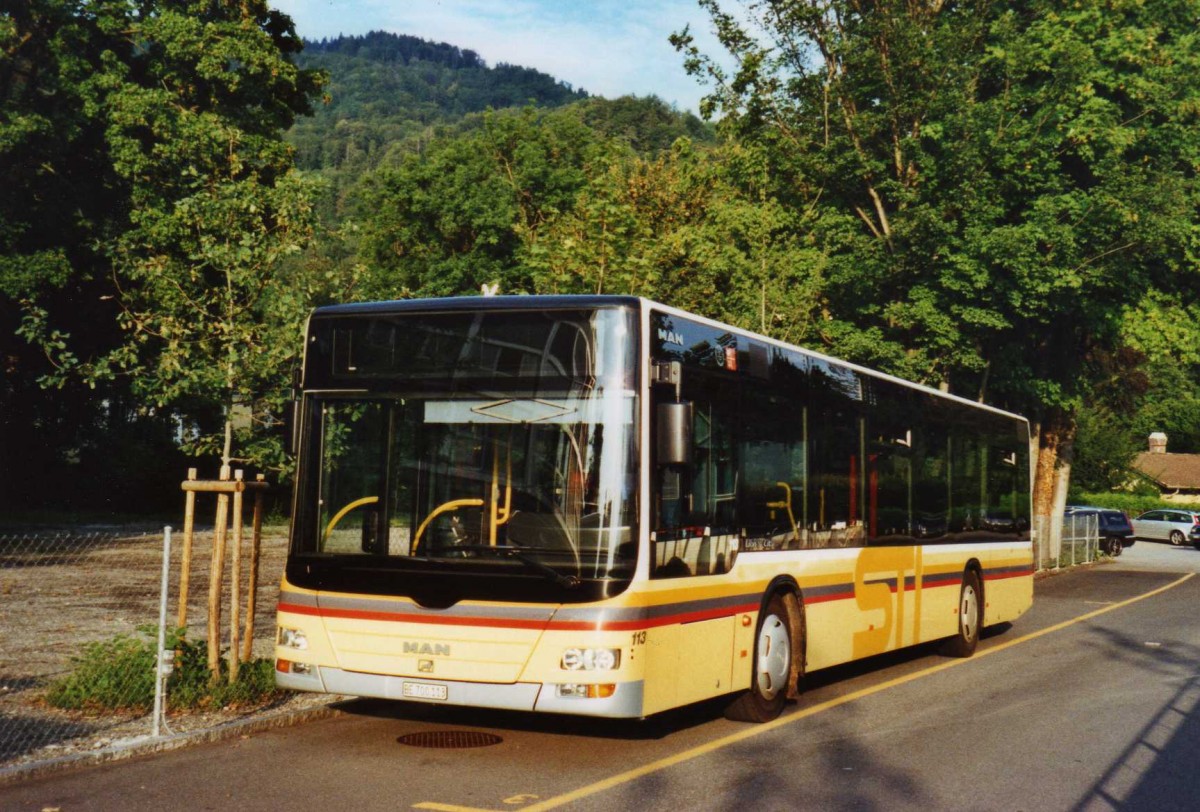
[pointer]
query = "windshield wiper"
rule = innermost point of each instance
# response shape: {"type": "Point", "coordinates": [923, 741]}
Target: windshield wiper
{"type": "Point", "coordinates": [565, 581]}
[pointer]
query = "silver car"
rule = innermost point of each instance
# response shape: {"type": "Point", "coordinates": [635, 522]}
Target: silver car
{"type": "Point", "coordinates": [1166, 525]}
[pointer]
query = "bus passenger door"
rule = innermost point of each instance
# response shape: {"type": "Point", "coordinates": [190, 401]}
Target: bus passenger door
{"type": "Point", "coordinates": [693, 535]}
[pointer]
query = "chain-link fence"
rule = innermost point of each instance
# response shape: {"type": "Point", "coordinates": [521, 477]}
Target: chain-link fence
{"type": "Point", "coordinates": [78, 624]}
{"type": "Point", "coordinates": [1076, 542]}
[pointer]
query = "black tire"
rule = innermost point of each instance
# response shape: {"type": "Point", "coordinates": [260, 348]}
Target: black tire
{"type": "Point", "coordinates": [772, 667]}
{"type": "Point", "coordinates": [1114, 546]}
{"type": "Point", "coordinates": [1176, 538]}
{"type": "Point", "coordinates": [970, 618]}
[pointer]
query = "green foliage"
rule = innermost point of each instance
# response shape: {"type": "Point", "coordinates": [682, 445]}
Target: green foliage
{"type": "Point", "coordinates": [1131, 503]}
{"type": "Point", "coordinates": [561, 202]}
{"type": "Point", "coordinates": [995, 185]}
{"type": "Point", "coordinates": [455, 217]}
{"type": "Point", "coordinates": [119, 674]}
{"type": "Point", "coordinates": [167, 280]}
{"type": "Point", "coordinates": [1104, 451]}
{"type": "Point", "coordinates": [112, 674]}
{"type": "Point", "coordinates": [190, 687]}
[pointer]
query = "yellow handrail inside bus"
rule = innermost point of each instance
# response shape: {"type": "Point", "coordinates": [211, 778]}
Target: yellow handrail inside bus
{"type": "Point", "coordinates": [786, 504]}
{"type": "Point", "coordinates": [499, 515]}
{"type": "Point", "coordinates": [366, 500]}
{"type": "Point", "coordinates": [438, 511]}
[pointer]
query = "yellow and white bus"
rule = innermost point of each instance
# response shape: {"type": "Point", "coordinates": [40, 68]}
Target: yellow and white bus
{"type": "Point", "coordinates": [601, 505]}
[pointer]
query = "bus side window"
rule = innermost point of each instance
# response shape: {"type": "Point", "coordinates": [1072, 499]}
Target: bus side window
{"type": "Point", "coordinates": [694, 503]}
{"type": "Point", "coordinates": [771, 477]}
{"type": "Point", "coordinates": [836, 499]}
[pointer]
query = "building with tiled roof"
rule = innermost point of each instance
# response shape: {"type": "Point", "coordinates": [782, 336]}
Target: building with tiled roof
{"type": "Point", "coordinates": [1176, 475]}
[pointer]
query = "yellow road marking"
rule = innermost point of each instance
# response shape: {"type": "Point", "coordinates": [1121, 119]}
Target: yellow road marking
{"type": "Point", "coordinates": [767, 727]}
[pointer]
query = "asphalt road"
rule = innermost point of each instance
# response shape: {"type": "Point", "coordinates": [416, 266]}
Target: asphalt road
{"type": "Point", "coordinates": [1090, 701]}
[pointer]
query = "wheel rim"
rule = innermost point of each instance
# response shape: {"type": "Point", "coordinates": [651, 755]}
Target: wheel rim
{"type": "Point", "coordinates": [969, 619]}
{"type": "Point", "coordinates": [774, 656]}
{"type": "Point", "coordinates": [1176, 537]}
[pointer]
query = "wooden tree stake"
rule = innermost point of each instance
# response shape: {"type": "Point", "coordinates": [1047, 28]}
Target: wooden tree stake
{"type": "Point", "coordinates": [252, 587]}
{"type": "Point", "coordinates": [235, 585]}
{"type": "Point", "coordinates": [185, 565]}
{"type": "Point", "coordinates": [216, 573]}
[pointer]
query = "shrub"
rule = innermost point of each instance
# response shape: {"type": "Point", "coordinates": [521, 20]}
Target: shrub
{"type": "Point", "coordinates": [112, 674]}
{"type": "Point", "coordinates": [1131, 503]}
{"type": "Point", "coordinates": [118, 674]}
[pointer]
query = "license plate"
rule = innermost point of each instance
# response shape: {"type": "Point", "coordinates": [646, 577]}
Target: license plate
{"type": "Point", "coordinates": [421, 690]}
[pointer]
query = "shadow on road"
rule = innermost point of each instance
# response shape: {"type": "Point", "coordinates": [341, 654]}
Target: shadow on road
{"type": "Point", "coordinates": [659, 726]}
{"type": "Point", "coordinates": [655, 727]}
{"type": "Point", "coordinates": [1157, 770]}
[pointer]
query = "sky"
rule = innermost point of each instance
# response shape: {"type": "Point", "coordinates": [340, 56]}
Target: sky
{"type": "Point", "coordinates": [606, 47]}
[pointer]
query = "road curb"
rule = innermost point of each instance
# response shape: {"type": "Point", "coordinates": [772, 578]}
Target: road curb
{"type": "Point", "coordinates": [143, 746]}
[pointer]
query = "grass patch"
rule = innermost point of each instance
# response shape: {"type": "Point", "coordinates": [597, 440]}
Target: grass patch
{"type": "Point", "coordinates": [119, 674]}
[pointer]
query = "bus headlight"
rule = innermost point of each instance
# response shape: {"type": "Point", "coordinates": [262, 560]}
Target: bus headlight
{"type": "Point", "coordinates": [292, 638]}
{"type": "Point", "coordinates": [591, 659]}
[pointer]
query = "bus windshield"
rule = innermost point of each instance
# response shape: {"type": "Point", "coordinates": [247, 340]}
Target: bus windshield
{"type": "Point", "coordinates": [454, 474]}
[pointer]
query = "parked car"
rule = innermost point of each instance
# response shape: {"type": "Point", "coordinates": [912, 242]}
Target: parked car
{"type": "Point", "coordinates": [1195, 536]}
{"type": "Point", "coordinates": [1166, 525]}
{"type": "Point", "coordinates": [1116, 531]}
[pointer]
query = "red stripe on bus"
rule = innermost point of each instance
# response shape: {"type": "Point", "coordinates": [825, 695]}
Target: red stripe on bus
{"type": "Point", "coordinates": [510, 623]}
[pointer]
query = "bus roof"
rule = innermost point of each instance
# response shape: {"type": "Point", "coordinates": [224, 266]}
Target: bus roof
{"type": "Point", "coordinates": [469, 303]}
{"type": "Point", "coordinates": [569, 301]}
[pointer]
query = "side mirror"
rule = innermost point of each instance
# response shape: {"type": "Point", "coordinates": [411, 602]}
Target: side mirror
{"type": "Point", "coordinates": [674, 429]}
{"type": "Point", "coordinates": [296, 387]}
{"type": "Point", "coordinates": [295, 427]}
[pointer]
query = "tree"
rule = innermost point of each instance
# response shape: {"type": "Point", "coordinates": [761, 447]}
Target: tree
{"type": "Point", "coordinates": [693, 227]}
{"type": "Point", "coordinates": [185, 103]}
{"type": "Point", "coordinates": [59, 201]}
{"type": "Point", "coordinates": [455, 217]}
{"type": "Point", "coordinates": [995, 185]}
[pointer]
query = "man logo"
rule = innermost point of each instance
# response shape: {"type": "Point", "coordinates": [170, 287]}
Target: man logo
{"type": "Point", "coordinates": [670, 337]}
{"type": "Point", "coordinates": [435, 649]}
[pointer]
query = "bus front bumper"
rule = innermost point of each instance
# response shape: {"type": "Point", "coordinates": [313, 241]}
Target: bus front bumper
{"type": "Point", "coordinates": [624, 703]}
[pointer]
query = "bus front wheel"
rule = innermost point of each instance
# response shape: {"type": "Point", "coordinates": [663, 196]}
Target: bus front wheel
{"type": "Point", "coordinates": [772, 667]}
{"type": "Point", "coordinates": [970, 618]}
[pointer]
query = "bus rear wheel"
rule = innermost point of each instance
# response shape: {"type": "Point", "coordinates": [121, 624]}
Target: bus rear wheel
{"type": "Point", "coordinates": [772, 667]}
{"type": "Point", "coordinates": [970, 618]}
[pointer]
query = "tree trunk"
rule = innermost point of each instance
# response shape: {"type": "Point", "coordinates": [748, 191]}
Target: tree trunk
{"type": "Point", "coordinates": [1052, 474]}
{"type": "Point", "coordinates": [227, 451]}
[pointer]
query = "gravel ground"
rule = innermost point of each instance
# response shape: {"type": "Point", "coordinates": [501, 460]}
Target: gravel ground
{"type": "Point", "coordinates": [60, 591]}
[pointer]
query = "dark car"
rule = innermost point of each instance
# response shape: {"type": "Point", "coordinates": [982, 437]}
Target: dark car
{"type": "Point", "coordinates": [1194, 536]}
{"type": "Point", "coordinates": [1116, 531]}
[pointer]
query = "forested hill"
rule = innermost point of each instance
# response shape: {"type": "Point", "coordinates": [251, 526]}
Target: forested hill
{"type": "Point", "coordinates": [381, 46]}
{"type": "Point", "coordinates": [388, 88]}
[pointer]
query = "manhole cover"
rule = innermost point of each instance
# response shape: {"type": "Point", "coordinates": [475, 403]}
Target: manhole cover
{"type": "Point", "coordinates": [449, 739]}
